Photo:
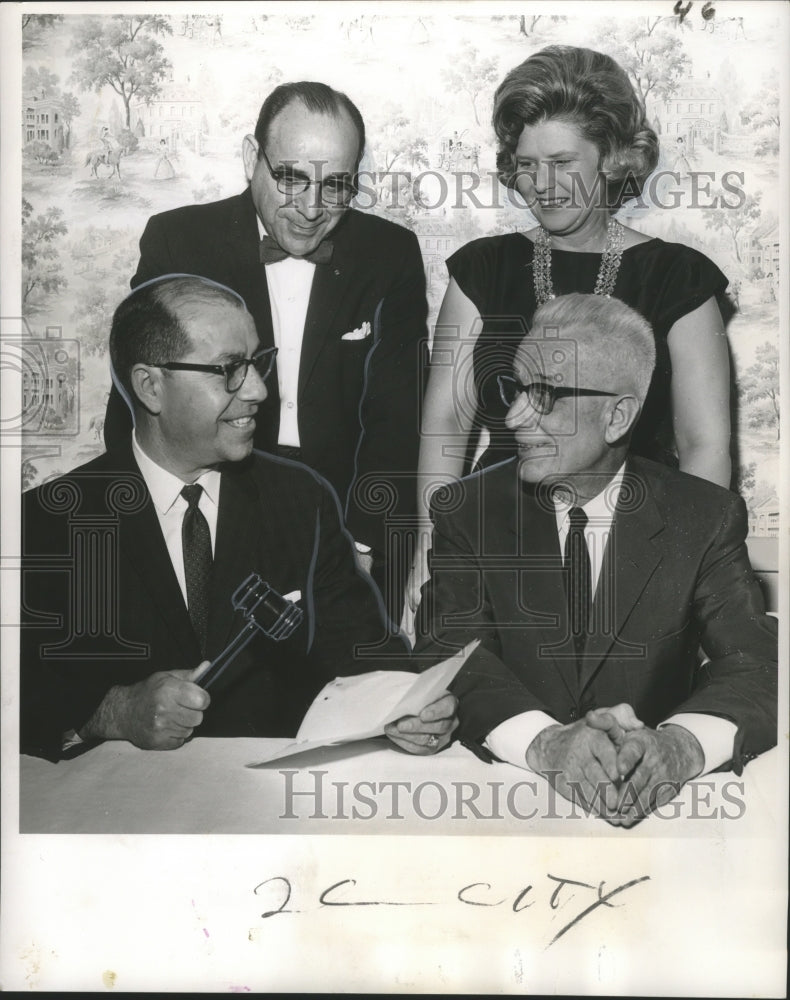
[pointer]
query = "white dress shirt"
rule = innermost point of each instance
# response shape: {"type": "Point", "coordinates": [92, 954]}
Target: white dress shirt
{"type": "Point", "coordinates": [170, 506]}
{"type": "Point", "coordinates": [290, 282]}
{"type": "Point", "coordinates": [510, 740]}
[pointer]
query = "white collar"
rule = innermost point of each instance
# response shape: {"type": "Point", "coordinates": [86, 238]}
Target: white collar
{"type": "Point", "coordinates": [164, 487]}
{"type": "Point", "coordinates": [600, 509]}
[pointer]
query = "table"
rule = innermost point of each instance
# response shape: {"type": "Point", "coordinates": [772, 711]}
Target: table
{"type": "Point", "coordinates": [551, 904]}
{"type": "Point", "coordinates": [206, 786]}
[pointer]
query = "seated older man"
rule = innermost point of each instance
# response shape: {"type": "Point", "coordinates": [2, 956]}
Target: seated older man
{"type": "Point", "coordinates": [130, 562]}
{"type": "Point", "coordinates": [593, 578]}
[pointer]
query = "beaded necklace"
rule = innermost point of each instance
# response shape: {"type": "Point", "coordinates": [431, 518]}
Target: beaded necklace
{"type": "Point", "coordinates": [607, 272]}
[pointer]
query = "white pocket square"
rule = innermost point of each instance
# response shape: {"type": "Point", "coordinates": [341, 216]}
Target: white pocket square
{"type": "Point", "coordinates": [295, 596]}
{"type": "Point", "coordinates": [359, 334]}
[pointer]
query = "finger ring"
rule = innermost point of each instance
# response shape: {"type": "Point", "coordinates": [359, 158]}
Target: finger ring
{"type": "Point", "coordinates": [433, 740]}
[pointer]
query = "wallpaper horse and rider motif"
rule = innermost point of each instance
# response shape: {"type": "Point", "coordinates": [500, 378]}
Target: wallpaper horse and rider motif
{"type": "Point", "coordinates": [127, 115]}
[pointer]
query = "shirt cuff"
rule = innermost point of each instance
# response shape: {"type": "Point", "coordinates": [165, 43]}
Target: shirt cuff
{"type": "Point", "coordinates": [71, 739]}
{"type": "Point", "coordinates": [716, 736]}
{"type": "Point", "coordinates": [510, 740]}
{"type": "Point", "coordinates": [361, 547]}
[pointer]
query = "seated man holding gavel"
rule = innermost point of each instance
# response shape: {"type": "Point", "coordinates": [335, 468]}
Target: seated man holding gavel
{"type": "Point", "coordinates": [131, 562]}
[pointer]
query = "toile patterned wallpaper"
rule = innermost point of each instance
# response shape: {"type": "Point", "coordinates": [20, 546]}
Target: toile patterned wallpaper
{"type": "Point", "coordinates": [127, 115]}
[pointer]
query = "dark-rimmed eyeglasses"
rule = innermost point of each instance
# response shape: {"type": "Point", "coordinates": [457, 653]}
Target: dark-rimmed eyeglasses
{"type": "Point", "coordinates": [541, 396]}
{"type": "Point", "coordinates": [235, 372]}
{"type": "Point", "coordinates": [332, 190]}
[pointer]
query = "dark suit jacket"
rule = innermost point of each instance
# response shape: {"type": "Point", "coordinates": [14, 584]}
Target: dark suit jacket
{"type": "Point", "coordinates": [359, 400]}
{"type": "Point", "coordinates": [102, 606]}
{"type": "Point", "coordinates": [675, 576]}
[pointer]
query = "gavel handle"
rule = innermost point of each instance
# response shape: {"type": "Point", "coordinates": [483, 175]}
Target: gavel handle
{"type": "Point", "coordinates": [214, 670]}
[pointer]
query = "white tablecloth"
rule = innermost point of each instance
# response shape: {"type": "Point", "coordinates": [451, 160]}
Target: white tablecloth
{"type": "Point", "coordinates": [370, 787]}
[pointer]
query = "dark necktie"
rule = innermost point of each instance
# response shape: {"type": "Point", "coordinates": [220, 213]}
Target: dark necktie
{"type": "Point", "coordinates": [196, 543]}
{"type": "Point", "coordinates": [579, 577]}
{"type": "Point", "coordinates": [272, 253]}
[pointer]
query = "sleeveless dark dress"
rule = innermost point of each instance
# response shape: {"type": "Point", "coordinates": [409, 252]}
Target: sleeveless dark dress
{"type": "Point", "coordinates": [662, 281]}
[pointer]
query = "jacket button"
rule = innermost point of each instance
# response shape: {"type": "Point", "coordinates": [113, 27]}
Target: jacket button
{"type": "Point", "coordinates": [573, 715]}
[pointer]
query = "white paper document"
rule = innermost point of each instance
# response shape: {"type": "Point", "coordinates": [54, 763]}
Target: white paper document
{"type": "Point", "coordinates": [358, 708]}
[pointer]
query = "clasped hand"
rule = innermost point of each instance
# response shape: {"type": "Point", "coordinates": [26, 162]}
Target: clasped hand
{"type": "Point", "coordinates": [612, 764]}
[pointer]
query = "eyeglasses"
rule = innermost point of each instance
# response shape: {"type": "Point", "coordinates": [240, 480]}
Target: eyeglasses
{"type": "Point", "coordinates": [235, 372]}
{"type": "Point", "coordinates": [541, 395]}
{"type": "Point", "coordinates": [333, 190]}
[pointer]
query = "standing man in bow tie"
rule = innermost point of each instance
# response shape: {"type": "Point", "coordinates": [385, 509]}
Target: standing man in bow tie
{"type": "Point", "coordinates": [339, 292]}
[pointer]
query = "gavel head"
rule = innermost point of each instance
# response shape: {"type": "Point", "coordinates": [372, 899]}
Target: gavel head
{"type": "Point", "coordinates": [268, 611]}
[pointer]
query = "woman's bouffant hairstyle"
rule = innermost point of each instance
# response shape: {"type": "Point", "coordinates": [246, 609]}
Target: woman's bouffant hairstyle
{"type": "Point", "coordinates": [586, 89]}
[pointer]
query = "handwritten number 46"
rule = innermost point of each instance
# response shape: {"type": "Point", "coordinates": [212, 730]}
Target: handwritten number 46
{"type": "Point", "coordinates": [681, 9]}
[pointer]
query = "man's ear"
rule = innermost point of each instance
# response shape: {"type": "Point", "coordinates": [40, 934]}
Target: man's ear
{"type": "Point", "coordinates": [147, 387]}
{"type": "Point", "coordinates": [622, 415]}
{"type": "Point", "coordinates": [249, 154]}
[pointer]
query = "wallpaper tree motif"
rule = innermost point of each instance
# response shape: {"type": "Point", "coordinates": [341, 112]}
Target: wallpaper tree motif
{"type": "Point", "coordinates": [127, 115]}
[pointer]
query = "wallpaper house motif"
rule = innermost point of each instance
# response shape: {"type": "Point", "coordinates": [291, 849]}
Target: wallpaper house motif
{"type": "Point", "coordinates": [101, 155]}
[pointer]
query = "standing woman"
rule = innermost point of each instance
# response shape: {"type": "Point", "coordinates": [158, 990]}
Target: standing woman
{"type": "Point", "coordinates": [574, 141]}
{"type": "Point", "coordinates": [681, 164]}
{"type": "Point", "coordinates": [163, 163]}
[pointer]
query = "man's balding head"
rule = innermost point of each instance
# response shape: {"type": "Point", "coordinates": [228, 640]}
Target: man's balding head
{"type": "Point", "coordinates": [317, 98]}
{"type": "Point", "coordinates": [302, 163]}
{"type": "Point", "coordinates": [150, 326]}
{"type": "Point", "coordinates": [175, 340]}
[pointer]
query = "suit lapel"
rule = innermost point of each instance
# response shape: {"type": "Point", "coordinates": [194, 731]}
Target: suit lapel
{"type": "Point", "coordinates": [238, 530]}
{"type": "Point", "coordinates": [630, 560]}
{"type": "Point", "coordinates": [249, 276]}
{"type": "Point", "coordinates": [143, 549]}
{"type": "Point", "coordinates": [541, 586]}
{"type": "Point", "coordinates": [332, 285]}
{"type": "Point", "coordinates": [239, 261]}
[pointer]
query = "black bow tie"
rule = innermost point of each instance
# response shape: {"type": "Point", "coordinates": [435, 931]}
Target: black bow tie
{"type": "Point", "coordinates": [272, 253]}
